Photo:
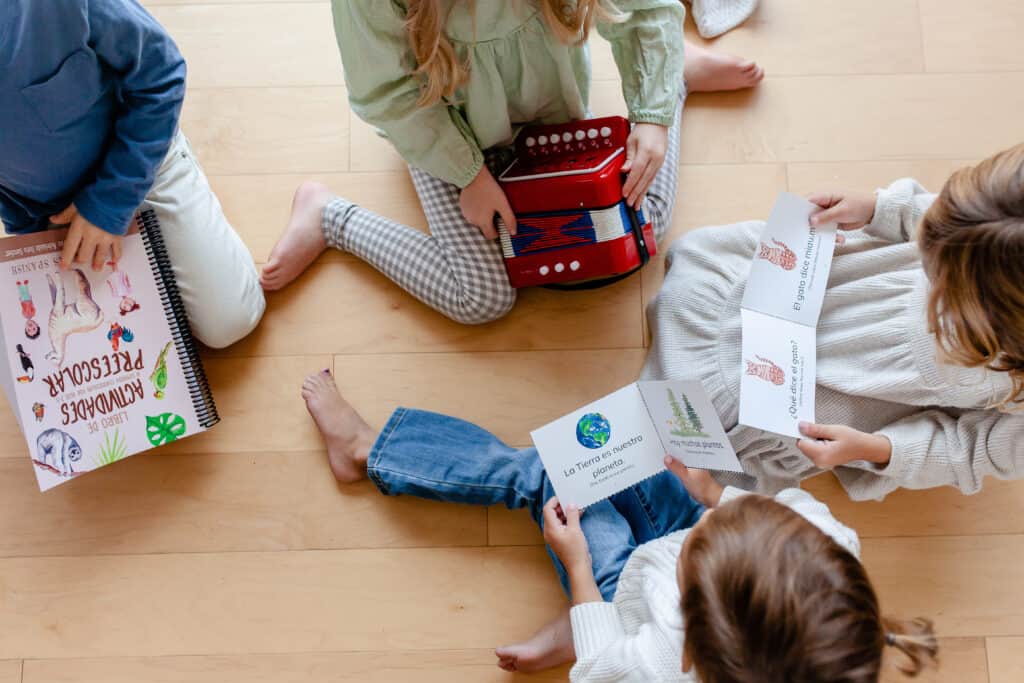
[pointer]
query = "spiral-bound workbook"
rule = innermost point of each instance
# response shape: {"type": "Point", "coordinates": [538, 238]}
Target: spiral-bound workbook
{"type": "Point", "coordinates": [100, 365]}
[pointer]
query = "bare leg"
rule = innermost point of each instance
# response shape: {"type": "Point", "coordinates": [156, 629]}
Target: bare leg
{"type": "Point", "coordinates": [708, 71]}
{"type": "Point", "coordinates": [348, 438]}
{"type": "Point", "coordinates": [549, 647]}
{"type": "Point", "coordinates": [303, 239]}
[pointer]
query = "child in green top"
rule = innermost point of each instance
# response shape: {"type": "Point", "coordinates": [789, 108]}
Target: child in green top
{"type": "Point", "coordinates": [447, 80]}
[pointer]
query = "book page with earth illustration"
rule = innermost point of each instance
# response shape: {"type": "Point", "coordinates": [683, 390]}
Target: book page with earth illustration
{"type": "Point", "coordinates": [89, 357]}
{"type": "Point", "coordinates": [621, 439]}
{"type": "Point", "coordinates": [780, 310]}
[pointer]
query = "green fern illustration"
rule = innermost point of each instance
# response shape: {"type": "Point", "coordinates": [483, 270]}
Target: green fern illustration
{"type": "Point", "coordinates": [112, 450]}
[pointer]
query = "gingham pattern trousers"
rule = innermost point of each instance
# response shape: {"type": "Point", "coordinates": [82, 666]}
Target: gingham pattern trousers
{"type": "Point", "coordinates": [455, 269]}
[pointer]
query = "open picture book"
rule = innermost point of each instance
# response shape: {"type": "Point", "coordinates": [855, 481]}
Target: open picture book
{"type": "Point", "coordinates": [97, 366]}
{"type": "Point", "coordinates": [621, 439]}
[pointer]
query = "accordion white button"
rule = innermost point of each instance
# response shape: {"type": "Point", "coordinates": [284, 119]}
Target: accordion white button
{"type": "Point", "coordinates": [544, 270]}
{"type": "Point", "coordinates": [606, 132]}
{"type": "Point", "coordinates": [592, 133]}
{"type": "Point", "coordinates": [574, 266]}
{"type": "Point", "coordinates": [530, 142]}
{"type": "Point", "coordinates": [580, 134]}
{"type": "Point", "coordinates": [543, 139]}
{"type": "Point", "coordinates": [559, 267]}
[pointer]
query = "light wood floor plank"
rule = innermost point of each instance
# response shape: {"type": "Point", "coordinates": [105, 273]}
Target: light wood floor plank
{"type": "Point", "coordinates": [1005, 659]}
{"type": "Point", "coordinates": [786, 37]}
{"type": "Point", "coordinates": [959, 581]}
{"type": "Point", "coordinates": [218, 502]}
{"type": "Point", "coordinates": [317, 313]}
{"type": "Point", "coordinates": [983, 37]}
{"type": "Point", "coordinates": [260, 406]}
{"type": "Point", "coordinates": [236, 603]}
{"type": "Point", "coordinates": [259, 205]}
{"type": "Point", "coordinates": [536, 387]}
{"type": "Point", "coordinates": [859, 118]}
{"type": "Point", "coordinates": [998, 509]}
{"type": "Point", "coordinates": [272, 44]}
{"type": "Point", "coordinates": [805, 178]}
{"type": "Point", "coordinates": [961, 660]}
{"type": "Point", "coordinates": [442, 666]}
{"type": "Point", "coordinates": [268, 130]}
{"type": "Point", "coordinates": [10, 672]}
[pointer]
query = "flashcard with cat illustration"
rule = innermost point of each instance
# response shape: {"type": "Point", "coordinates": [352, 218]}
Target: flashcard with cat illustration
{"type": "Point", "coordinates": [780, 310]}
{"type": "Point", "coordinates": [100, 364]}
{"type": "Point", "coordinates": [790, 268]}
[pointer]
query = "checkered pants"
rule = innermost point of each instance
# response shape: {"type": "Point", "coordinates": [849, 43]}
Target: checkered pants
{"type": "Point", "coordinates": [455, 269]}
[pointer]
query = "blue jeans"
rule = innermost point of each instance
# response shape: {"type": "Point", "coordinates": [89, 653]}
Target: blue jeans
{"type": "Point", "coordinates": [443, 458]}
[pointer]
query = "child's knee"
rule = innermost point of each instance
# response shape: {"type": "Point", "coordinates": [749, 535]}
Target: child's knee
{"type": "Point", "coordinates": [484, 309]}
{"type": "Point", "coordinates": [230, 324]}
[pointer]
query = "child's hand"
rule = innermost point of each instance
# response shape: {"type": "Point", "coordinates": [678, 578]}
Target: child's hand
{"type": "Point", "coordinates": [834, 445]}
{"type": "Point", "coordinates": [701, 485]}
{"type": "Point", "coordinates": [851, 210]}
{"type": "Point", "coordinates": [85, 242]}
{"type": "Point", "coordinates": [645, 153]}
{"type": "Point", "coordinates": [483, 198]}
{"type": "Point", "coordinates": [562, 532]}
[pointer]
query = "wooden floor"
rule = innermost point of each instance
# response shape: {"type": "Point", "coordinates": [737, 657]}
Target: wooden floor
{"type": "Point", "coordinates": [233, 557]}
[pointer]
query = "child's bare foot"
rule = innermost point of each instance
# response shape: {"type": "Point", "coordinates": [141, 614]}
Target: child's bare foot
{"type": "Point", "coordinates": [547, 648]}
{"type": "Point", "coordinates": [709, 71]}
{"type": "Point", "coordinates": [348, 438]}
{"type": "Point", "coordinates": [303, 238]}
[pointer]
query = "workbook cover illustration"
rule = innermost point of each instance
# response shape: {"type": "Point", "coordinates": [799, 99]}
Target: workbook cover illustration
{"type": "Point", "coordinates": [781, 306]}
{"type": "Point", "coordinates": [100, 365]}
{"type": "Point", "coordinates": [622, 439]}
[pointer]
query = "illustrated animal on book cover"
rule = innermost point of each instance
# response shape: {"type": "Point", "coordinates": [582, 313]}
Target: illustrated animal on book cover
{"type": "Point", "coordinates": [565, 187]}
{"type": "Point", "coordinates": [74, 311]}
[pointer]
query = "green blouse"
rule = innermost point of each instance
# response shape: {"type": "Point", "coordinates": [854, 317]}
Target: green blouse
{"type": "Point", "coordinates": [519, 73]}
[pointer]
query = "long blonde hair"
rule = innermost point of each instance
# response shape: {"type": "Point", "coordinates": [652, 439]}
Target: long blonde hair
{"type": "Point", "coordinates": [441, 69]}
{"type": "Point", "coordinates": [972, 248]}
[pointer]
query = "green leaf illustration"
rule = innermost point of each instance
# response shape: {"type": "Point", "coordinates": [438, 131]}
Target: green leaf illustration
{"type": "Point", "coordinates": [112, 450]}
{"type": "Point", "coordinates": [164, 428]}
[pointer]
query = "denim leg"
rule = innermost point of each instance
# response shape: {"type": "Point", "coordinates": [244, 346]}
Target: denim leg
{"type": "Point", "coordinates": [657, 506]}
{"type": "Point", "coordinates": [443, 458]}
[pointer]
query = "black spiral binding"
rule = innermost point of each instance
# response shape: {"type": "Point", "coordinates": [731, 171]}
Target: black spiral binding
{"type": "Point", "coordinates": [188, 354]}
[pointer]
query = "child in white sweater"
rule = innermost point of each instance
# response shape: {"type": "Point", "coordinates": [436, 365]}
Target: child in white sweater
{"type": "Point", "coordinates": [769, 590]}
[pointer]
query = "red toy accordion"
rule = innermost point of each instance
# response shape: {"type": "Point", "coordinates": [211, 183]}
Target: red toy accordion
{"type": "Point", "coordinates": [565, 186]}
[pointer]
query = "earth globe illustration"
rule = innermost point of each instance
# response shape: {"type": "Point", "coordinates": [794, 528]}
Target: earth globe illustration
{"type": "Point", "coordinates": [593, 430]}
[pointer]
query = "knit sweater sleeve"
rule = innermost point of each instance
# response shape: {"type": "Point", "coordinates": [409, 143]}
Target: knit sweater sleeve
{"type": "Point", "coordinates": [605, 653]}
{"type": "Point", "coordinates": [898, 210]}
{"type": "Point", "coordinates": [811, 509]}
{"type": "Point", "coordinates": [939, 448]}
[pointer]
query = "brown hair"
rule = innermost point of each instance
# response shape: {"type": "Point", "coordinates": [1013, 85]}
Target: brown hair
{"type": "Point", "coordinates": [972, 247]}
{"type": "Point", "coordinates": [769, 597]}
{"type": "Point", "coordinates": [440, 68]}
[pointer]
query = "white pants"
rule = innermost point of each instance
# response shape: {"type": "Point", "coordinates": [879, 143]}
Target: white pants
{"type": "Point", "coordinates": [215, 272]}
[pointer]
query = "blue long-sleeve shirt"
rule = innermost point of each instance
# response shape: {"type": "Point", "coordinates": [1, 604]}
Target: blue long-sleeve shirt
{"type": "Point", "coordinates": [90, 94]}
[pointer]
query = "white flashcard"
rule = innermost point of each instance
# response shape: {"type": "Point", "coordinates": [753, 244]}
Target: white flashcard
{"type": "Point", "coordinates": [778, 374]}
{"type": "Point", "coordinates": [789, 272]}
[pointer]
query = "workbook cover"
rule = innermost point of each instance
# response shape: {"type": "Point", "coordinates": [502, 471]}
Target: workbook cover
{"type": "Point", "coordinates": [780, 310]}
{"type": "Point", "coordinates": [621, 439]}
{"type": "Point", "coordinates": [99, 365]}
